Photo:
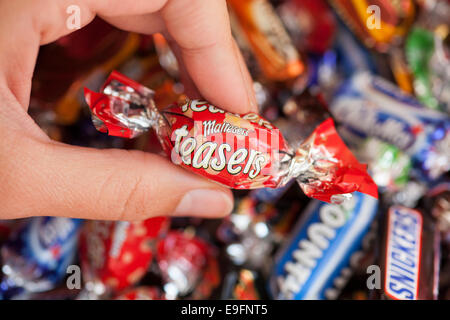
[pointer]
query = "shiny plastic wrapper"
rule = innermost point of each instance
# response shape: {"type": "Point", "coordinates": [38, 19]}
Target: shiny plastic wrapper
{"type": "Point", "coordinates": [238, 151]}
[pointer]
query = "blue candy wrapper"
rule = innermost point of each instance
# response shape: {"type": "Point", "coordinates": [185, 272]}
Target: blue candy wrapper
{"type": "Point", "coordinates": [370, 106]}
{"type": "Point", "coordinates": [37, 254]}
{"type": "Point", "coordinates": [321, 246]}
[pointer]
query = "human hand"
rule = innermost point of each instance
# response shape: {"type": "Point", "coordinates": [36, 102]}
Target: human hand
{"type": "Point", "coordinates": [39, 176]}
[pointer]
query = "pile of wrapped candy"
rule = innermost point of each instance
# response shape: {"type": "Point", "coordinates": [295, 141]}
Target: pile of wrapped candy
{"type": "Point", "coordinates": [354, 103]}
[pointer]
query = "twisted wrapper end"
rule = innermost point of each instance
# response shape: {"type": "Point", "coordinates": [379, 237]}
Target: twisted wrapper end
{"type": "Point", "coordinates": [123, 108]}
{"type": "Point", "coordinates": [327, 170]}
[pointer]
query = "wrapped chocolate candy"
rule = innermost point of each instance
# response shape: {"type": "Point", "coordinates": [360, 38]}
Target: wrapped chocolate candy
{"type": "Point", "coordinates": [352, 281]}
{"type": "Point", "coordinates": [409, 255]}
{"type": "Point", "coordinates": [370, 106]}
{"type": "Point", "coordinates": [438, 202]}
{"type": "Point", "coordinates": [243, 284]}
{"type": "Point", "coordinates": [314, 263]}
{"type": "Point", "coordinates": [255, 241]}
{"type": "Point", "coordinates": [238, 151]}
{"type": "Point", "coordinates": [388, 166]}
{"type": "Point", "coordinates": [379, 24]}
{"type": "Point", "coordinates": [352, 56]}
{"type": "Point", "coordinates": [186, 263]}
{"type": "Point", "coordinates": [116, 254]}
{"type": "Point", "coordinates": [311, 24]}
{"type": "Point", "coordinates": [259, 222]}
{"type": "Point", "coordinates": [78, 59]}
{"type": "Point", "coordinates": [36, 256]}
{"type": "Point", "coordinates": [429, 60]}
{"type": "Point", "coordinates": [256, 23]}
{"type": "Point", "coordinates": [408, 195]}
{"type": "Point", "coordinates": [166, 56]}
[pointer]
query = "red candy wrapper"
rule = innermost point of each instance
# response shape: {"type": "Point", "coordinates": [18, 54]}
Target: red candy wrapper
{"type": "Point", "coordinates": [116, 254]}
{"type": "Point", "coordinates": [188, 266]}
{"type": "Point", "coordinates": [311, 24]}
{"type": "Point", "coordinates": [238, 151]}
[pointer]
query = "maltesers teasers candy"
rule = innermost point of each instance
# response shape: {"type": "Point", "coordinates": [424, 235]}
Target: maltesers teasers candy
{"type": "Point", "coordinates": [321, 246]}
{"type": "Point", "coordinates": [238, 151]}
{"type": "Point", "coordinates": [409, 255]}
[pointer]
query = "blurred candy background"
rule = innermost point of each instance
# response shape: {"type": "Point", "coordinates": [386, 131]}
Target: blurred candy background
{"type": "Point", "coordinates": [381, 68]}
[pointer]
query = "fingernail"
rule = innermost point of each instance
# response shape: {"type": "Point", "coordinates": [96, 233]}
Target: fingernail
{"type": "Point", "coordinates": [204, 203]}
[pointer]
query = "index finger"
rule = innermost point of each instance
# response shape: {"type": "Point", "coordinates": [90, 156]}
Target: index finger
{"type": "Point", "coordinates": [200, 28]}
{"type": "Point", "coordinates": [202, 31]}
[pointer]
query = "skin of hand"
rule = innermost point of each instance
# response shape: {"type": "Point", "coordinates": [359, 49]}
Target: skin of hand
{"type": "Point", "coordinates": [41, 177]}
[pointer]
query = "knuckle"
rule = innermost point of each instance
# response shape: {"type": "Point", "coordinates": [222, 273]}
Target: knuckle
{"type": "Point", "coordinates": [131, 191]}
{"type": "Point", "coordinates": [134, 205]}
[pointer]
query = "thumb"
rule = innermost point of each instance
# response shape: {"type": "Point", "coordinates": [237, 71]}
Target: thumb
{"type": "Point", "coordinates": [54, 179]}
